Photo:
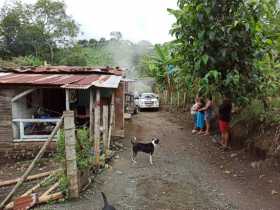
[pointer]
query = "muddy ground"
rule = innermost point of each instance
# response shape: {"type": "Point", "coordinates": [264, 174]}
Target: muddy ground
{"type": "Point", "coordinates": [12, 170]}
{"type": "Point", "coordinates": [189, 172]}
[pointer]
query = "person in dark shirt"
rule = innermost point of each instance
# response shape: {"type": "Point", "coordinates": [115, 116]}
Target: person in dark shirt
{"type": "Point", "coordinates": [224, 121]}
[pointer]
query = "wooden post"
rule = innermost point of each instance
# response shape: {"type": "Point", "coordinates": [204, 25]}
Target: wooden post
{"type": "Point", "coordinates": [97, 128]}
{"type": "Point", "coordinates": [105, 130]}
{"type": "Point", "coordinates": [67, 103]}
{"type": "Point", "coordinates": [185, 96]}
{"type": "Point", "coordinates": [70, 153]}
{"type": "Point", "coordinates": [112, 113]}
{"type": "Point", "coordinates": [171, 101]}
{"type": "Point", "coordinates": [91, 117]}
{"type": "Point", "coordinates": [178, 99]}
{"type": "Point", "coordinates": [31, 166]}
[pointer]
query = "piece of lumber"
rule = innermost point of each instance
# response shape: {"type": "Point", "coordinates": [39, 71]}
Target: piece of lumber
{"type": "Point", "coordinates": [51, 197]}
{"type": "Point", "coordinates": [53, 187]}
{"type": "Point", "coordinates": [24, 93]}
{"type": "Point", "coordinates": [28, 192]}
{"type": "Point", "coordinates": [47, 198]}
{"type": "Point", "coordinates": [67, 101]}
{"type": "Point", "coordinates": [112, 112]}
{"type": "Point", "coordinates": [105, 131]}
{"type": "Point", "coordinates": [97, 116]}
{"type": "Point", "coordinates": [31, 166]}
{"type": "Point", "coordinates": [29, 178]}
{"type": "Point", "coordinates": [91, 116]}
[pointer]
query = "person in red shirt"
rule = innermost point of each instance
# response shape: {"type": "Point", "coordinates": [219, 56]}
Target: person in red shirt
{"type": "Point", "coordinates": [224, 121]}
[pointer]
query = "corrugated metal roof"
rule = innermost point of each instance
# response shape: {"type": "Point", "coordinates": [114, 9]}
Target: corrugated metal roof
{"type": "Point", "coordinates": [68, 69]}
{"type": "Point", "coordinates": [71, 81]}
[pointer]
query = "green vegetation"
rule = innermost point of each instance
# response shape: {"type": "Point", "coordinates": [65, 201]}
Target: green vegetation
{"type": "Point", "coordinates": [35, 29]}
{"type": "Point", "coordinates": [85, 158]}
{"type": "Point", "coordinates": [83, 148]}
{"type": "Point", "coordinates": [31, 34]}
{"type": "Point", "coordinates": [223, 47]}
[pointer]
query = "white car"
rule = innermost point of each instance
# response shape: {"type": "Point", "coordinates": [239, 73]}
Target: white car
{"type": "Point", "coordinates": [147, 101]}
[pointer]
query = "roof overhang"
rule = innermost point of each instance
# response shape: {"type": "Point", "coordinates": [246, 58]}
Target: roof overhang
{"type": "Point", "coordinates": [69, 81]}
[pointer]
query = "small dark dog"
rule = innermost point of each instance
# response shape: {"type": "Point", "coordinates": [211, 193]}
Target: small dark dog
{"type": "Point", "coordinates": [148, 148]}
{"type": "Point", "coordinates": [107, 206]}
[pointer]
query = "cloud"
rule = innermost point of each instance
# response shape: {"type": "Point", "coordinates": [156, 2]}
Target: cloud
{"type": "Point", "coordinates": [136, 19]}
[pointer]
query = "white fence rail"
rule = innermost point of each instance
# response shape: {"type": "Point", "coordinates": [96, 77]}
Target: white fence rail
{"type": "Point", "coordinates": [33, 122]}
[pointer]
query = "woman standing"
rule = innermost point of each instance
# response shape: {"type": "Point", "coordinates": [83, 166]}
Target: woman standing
{"type": "Point", "coordinates": [224, 120]}
{"type": "Point", "coordinates": [208, 108]}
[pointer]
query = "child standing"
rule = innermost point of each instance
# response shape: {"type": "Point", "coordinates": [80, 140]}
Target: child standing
{"type": "Point", "coordinates": [200, 118]}
{"type": "Point", "coordinates": [194, 109]}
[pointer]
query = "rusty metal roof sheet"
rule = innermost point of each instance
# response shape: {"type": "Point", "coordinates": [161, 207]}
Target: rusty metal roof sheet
{"type": "Point", "coordinates": [68, 70]}
{"type": "Point", "coordinates": [70, 81]}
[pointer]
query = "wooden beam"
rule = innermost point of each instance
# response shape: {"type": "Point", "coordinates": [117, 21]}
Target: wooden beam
{"type": "Point", "coordinates": [178, 99]}
{"type": "Point", "coordinates": [105, 130]}
{"type": "Point", "coordinates": [28, 192]}
{"type": "Point", "coordinates": [67, 101]}
{"type": "Point", "coordinates": [31, 166]}
{"type": "Point", "coordinates": [45, 199]}
{"type": "Point", "coordinates": [52, 188]}
{"type": "Point", "coordinates": [24, 93]}
{"type": "Point", "coordinates": [97, 128]}
{"type": "Point", "coordinates": [51, 197]}
{"type": "Point", "coordinates": [91, 116]}
{"type": "Point", "coordinates": [29, 178]}
{"type": "Point", "coordinates": [112, 113]}
{"type": "Point", "coordinates": [185, 96]}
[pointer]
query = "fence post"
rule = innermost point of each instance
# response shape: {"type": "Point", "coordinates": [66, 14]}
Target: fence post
{"type": "Point", "coordinates": [111, 122]}
{"type": "Point", "coordinates": [184, 104]}
{"type": "Point", "coordinates": [171, 101]}
{"type": "Point", "coordinates": [105, 130]}
{"type": "Point", "coordinates": [97, 128]}
{"type": "Point", "coordinates": [178, 99]}
{"type": "Point", "coordinates": [91, 117]}
{"type": "Point", "coordinates": [70, 153]}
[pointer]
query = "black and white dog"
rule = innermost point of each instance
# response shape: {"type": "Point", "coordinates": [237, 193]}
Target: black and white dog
{"type": "Point", "coordinates": [148, 148]}
{"type": "Point", "coordinates": [107, 206]}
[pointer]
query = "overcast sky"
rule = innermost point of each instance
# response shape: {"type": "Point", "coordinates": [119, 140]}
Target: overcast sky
{"type": "Point", "coordinates": [136, 19]}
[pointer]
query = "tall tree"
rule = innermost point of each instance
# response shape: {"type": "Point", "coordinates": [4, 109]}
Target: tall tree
{"type": "Point", "coordinates": [51, 17]}
{"type": "Point", "coordinates": [219, 42]}
{"type": "Point", "coordinates": [116, 35]}
{"type": "Point", "coordinates": [35, 29]}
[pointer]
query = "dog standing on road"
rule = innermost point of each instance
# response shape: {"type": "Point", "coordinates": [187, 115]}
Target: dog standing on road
{"type": "Point", "coordinates": [148, 148]}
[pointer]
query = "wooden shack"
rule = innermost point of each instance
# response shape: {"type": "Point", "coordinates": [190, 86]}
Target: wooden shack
{"type": "Point", "coordinates": [33, 99]}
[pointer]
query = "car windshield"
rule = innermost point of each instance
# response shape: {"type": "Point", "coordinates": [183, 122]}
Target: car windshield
{"type": "Point", "coordinates": [148, 95]}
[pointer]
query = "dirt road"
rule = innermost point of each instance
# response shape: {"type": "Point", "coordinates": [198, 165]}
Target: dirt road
{"type": "Point", "coordinates": [189, 172]}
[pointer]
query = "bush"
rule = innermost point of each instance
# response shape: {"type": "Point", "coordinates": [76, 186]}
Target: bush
{"type": "Point", "coordinates": [83, 148]}
{"type": "Point", "coordinates": [28, 61]}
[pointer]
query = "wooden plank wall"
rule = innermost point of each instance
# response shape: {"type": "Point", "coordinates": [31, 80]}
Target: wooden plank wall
{"type": "Point", "coordinates": [6, 132]}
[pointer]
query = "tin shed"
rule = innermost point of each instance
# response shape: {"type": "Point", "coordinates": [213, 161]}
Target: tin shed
{"type": "Point", "coordinates": [33, 99]}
